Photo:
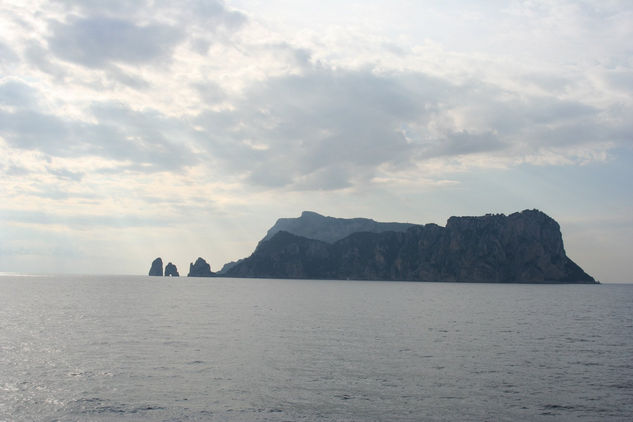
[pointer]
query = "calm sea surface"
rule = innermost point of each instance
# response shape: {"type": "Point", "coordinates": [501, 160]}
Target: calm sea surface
{"type": "Point", "coordinates": [160, 349]}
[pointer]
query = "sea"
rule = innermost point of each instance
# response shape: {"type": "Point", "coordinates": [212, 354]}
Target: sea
{"type": "Point", "coordinates": [138, 348]}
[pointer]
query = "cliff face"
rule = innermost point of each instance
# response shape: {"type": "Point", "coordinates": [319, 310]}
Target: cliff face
{"type": "Point", "coordinates": [286, 255]}
{"type": "Point", "coordinates": [522, 247]}
{"type": "Point", "coordinates": [330, 229]}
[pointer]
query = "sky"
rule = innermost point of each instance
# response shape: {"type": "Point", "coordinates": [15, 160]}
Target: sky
{"type": "Point", "coordinates": [179, 129]}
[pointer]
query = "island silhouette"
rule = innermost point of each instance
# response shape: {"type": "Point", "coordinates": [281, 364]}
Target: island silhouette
{"type": "Point", "coordinates": [523, 247]}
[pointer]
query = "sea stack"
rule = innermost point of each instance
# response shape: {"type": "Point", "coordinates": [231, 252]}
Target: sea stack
{"type": "Point", "coordinates": [156, 268]}
{"type": "Point", "coordinates": [200, 269]}
{"type": "Point", "coordinates": [171, 270]}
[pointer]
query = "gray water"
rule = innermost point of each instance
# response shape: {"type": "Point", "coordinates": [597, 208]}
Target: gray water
{"type": "Point", "coordinates": [161, 349]}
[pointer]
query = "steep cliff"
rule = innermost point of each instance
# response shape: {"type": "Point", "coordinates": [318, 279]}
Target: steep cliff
{"type": "Point", "coordinates": [286, 255]}
{"type": "Point", "coordinates": [522, 247]}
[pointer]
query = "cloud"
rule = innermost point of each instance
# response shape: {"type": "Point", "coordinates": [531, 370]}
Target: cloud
{"type": "Point", "coordinates": [111, 7]}
{"type": "Point", "coordinates": [147, 140]}
{"type": "Point", "coordinates": [186, 11]}
{"type": "Point", "coordinates": [121, 38]}
{"type": "Point", "coordinates": [128, 79]}
{"type": "Point", "coordinates": [329, 128]}
{"type": "Point", "coordinates": [97, 41]}
{"type": "Point", "coordinates": [620, 79]}
{"type": "Point", "coordinates": [66, 174]}
{"type": "Point", "coordinates": [33, 130]}
{"type": "Point", "coordinates": [327, 121]}
{"type": "Point", "coordinates": [209, 12]}
{"type": "Point", "coordinates": [78, 220]}
{"type": "Point", "coordinates": [40, 57]}
{"type": "Point", "coordinates": [145, 136]}
{"type": "Point", "coordinates": [14, 170]}
{"type": "Point", "coordinates": [464, 143]}
{"type": "Point", "coordinates": [210, 92]}
{"type": "Point", "coordinates": [201, 19]}
{"type": "Point", "coordinates": [7, 55]}
{"type": "Point", "coordinates": [17, 94]}
{"type": "Point", "coordinates": [276, 113]}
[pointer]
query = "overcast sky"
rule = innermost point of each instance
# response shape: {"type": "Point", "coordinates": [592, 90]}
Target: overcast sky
{"type": "Point", "coordinates": [131, 130]}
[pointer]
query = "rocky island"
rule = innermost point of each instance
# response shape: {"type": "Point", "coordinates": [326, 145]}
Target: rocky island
{"type": "Point", "coordinates": [171, 270]}
{"type": "Point", "coordinates": [523, 247]}
{"type": "Point", "coordinates": [200, 269]}
{"type": "Point", "coordinates": [157, 268]}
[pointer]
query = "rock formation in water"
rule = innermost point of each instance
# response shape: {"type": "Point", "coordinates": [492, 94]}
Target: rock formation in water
{"type": "Point", "coordinates": [330, 229]}
{"type": "Point", "coordinates": [522, 247]}
{"type": "Point", "coordinates": [200, 269]}
{"type": "Point", "coordinates": [157, 267]}
{"type": "Point", "coordinates": [171, 270]}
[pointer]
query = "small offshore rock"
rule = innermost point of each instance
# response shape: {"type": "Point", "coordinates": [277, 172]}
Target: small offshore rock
{"type": "Point", "coordinates": [200, 269]}
{"type": "Point", "coordinates": [171, 270]}
{"type": "Point", "coordinates": [156, 268]}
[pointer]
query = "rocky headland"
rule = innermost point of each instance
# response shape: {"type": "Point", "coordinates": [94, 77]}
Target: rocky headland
{"type": "Point", "coordinates": [524, 247]}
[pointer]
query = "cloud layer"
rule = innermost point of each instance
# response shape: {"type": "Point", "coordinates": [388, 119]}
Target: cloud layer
{"type": "Point", "coordinates": [183, 102]}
